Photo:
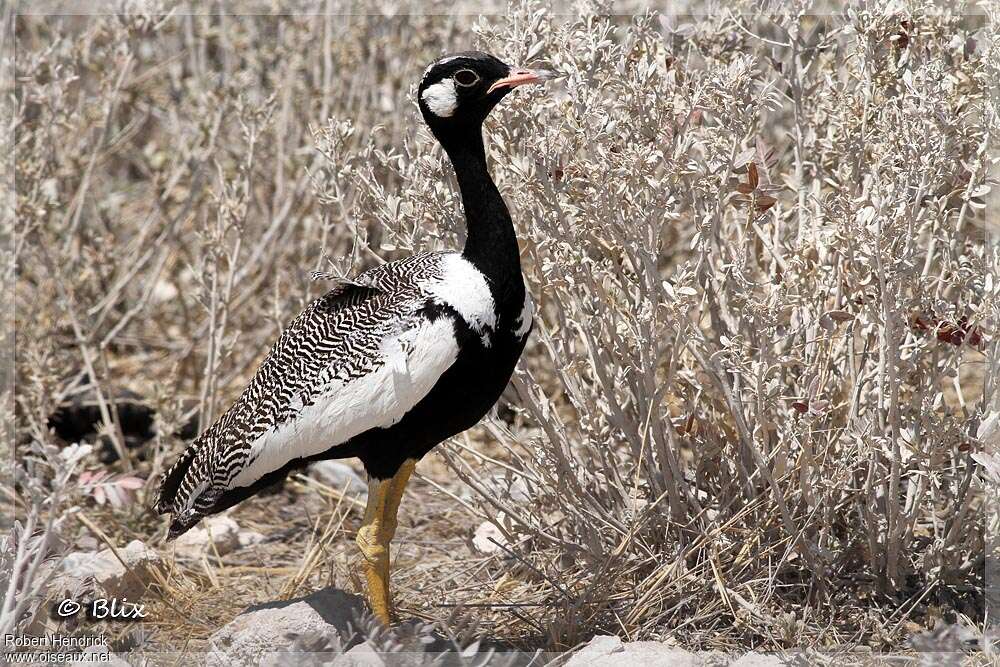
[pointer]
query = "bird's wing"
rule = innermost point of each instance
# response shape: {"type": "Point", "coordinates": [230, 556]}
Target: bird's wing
{"type": "Point", "coordinates": [357, 358]}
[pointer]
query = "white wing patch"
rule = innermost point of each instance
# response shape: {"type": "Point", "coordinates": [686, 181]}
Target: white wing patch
{"type": "Point", "coordinates": [463, 287]}
{"type": "Point", "coordinates": [441, 98]}
{"type": "Point", "coordinates": [414, 362]}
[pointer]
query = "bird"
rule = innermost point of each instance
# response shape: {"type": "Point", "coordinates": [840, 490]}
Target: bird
{"type": "Point", "coordinates": [387, 364]}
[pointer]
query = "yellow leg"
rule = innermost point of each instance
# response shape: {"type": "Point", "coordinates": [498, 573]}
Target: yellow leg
{"type": "Point", "coordinates": [375, 534]}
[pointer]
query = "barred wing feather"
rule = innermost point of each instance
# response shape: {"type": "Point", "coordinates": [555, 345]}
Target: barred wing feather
{"type": "Point", "coordinates": [357, 358]}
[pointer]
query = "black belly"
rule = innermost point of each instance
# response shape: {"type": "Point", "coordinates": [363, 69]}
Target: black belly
{"type": "Point", "coordinates": [463, 395]}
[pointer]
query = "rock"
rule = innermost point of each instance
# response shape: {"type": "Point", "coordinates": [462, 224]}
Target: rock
{"type": "Point", "coordinates": [362, 655]}
{"type": "Point", "coordinates": [512, 485]}
{"type": "Point", "coordinates": [488, 538]}
{"type": "Point", "coordinates": [87, 543]}
{"type": "Point", "coordinates": [947, 638]}
{"type": "Point", "coordinates": [248, 538]}
{"type": "Point", "coordinates": [754, 659]}
{"type": "Point", "coordinates": [216, 535]}
{"type": "Point", "coordinates": [271, 627]}
{"type": "Point", "coordinates": [310, 648]}
{"type": "Point", "coordinates": [609, 651]}
{"type": "Point", "coordinates": [107, 572]}
{"type": "Point", "coordinates": [340, 477]}
{"type": "Point", "coordinates": [598, 647]}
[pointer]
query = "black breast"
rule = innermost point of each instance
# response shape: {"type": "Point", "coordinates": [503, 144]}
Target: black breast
{"type": "Point", "coordinates": [463, 395]}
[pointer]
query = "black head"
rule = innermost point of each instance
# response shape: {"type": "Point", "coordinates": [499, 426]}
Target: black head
{"type": "Point", "coordinates": [459, 90]}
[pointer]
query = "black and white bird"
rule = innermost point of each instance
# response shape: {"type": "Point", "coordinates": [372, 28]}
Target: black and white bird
{"type": "Point", "coordinates": [389, 364]}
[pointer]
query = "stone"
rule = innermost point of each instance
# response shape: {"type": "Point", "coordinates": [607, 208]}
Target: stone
{"type": "Point", "coordinates": [602, 645]}
{"type": "Point", "coordinates": [108, 574]}
{"type": "Point", "coordinates": [215, 535]}
{"type": "Point", "coordinates": [340, 477]}
{"type": "Point", "coordinates": [488, 538]}
{"type": "Point", "coordinates": [362, 655]}
{"type": "Point", "coordinates": [248, 538]}
{"type": "Point", "coordinates": [271, 627]}
{"type": "Point", "coordinates": [610, 651]}
{"type": "Point", "coordinates": [87, 543]}
{"type": "Point", "coordinates": [754, 659]}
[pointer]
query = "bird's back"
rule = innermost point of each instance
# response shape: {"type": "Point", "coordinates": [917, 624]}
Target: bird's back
{"type": "Point", "coordinates": [321, 382]}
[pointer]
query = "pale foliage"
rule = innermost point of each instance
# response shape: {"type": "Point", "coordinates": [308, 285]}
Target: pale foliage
{"type": "Point", "coordinates": [766, 333]}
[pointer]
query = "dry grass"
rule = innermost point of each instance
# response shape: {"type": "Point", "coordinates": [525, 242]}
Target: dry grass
{"type": "Point", "coordinates": [767, 325]}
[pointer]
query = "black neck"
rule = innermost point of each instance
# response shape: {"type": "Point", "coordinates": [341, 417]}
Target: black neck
{"type": "Point", "coordinates": [491, 245]}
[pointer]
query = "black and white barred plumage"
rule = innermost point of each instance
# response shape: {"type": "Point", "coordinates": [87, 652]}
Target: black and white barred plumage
{"type": "Point", "coordinates": [356, 358]}
{"type": "Point", "coordinates": [389, 364]}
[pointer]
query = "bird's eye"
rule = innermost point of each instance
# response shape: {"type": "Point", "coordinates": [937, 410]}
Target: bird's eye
{"type": "Point", "coordinates": [466, 78]}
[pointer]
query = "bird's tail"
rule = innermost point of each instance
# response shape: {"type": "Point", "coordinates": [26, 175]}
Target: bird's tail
{"type": "Point", "coordinates": [176, 488]}
{"type": "Point", "coordinates": [171, 480]}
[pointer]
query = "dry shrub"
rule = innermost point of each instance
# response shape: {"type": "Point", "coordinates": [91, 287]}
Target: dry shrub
{"type": "Point", "coordinates": [767, 305]}
{"type": "Point", "coordinates": [767, 319]}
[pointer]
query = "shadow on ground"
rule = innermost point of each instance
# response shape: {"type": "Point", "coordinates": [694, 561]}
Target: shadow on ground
{"type": "Point", "coordinates": [335, 622]}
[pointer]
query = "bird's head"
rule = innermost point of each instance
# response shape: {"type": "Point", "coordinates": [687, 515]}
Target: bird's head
{"type": "Point", "coordinates": [458, 91]}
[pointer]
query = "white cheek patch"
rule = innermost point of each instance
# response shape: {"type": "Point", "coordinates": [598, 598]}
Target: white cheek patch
{"type": "Point", "coordinates": [441, 98]}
